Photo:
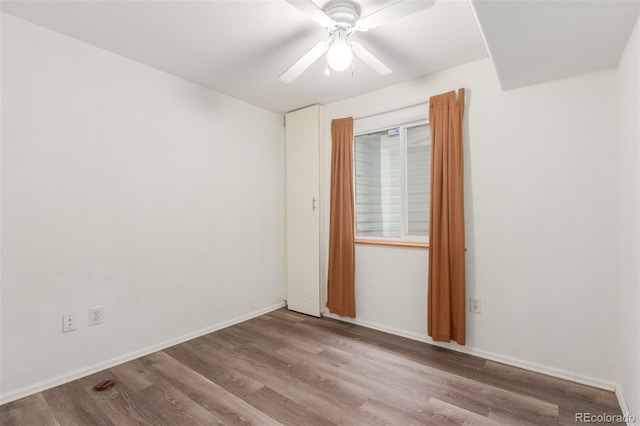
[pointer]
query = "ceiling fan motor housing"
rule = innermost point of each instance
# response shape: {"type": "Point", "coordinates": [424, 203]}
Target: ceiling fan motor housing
{"type": "Point", "coordinates": [344, 13]}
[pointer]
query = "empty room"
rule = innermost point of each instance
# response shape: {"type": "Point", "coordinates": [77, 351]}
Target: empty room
{"type": "Point", "coordinates": [320, 212]}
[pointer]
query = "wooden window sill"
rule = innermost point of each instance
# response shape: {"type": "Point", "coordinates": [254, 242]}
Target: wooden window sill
{"type": "Point", "coordinates": [392, 244]}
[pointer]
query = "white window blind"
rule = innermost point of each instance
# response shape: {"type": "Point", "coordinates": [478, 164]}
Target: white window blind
{"type": "Point", "coordinates": [378, 185]}
{"type": "Point", "coordinates": [418, 180]}
{"type": "Point", "coordinates": [392, 183]}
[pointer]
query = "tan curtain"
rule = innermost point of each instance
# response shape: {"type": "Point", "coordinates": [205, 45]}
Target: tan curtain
{"type": "Point", "coordinates": [341, 278]}
{"type": "Point", "coordinates": [446, 299]}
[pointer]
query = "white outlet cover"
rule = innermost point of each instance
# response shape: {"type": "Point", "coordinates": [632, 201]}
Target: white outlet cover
{"type": "Point", "coordinates": [69, 322]}
{"type": "Point", "coordinates": [96, 315]}
{"type": "Point", "coordinates": [475, 305]}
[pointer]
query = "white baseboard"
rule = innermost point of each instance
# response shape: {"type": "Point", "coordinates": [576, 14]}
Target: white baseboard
{"type": "Point", "coordinates": [504, 359]}
{"type": "Point", "coordinates": [66, 378]}
{"type": "Point", "coordinates": [626, 413]}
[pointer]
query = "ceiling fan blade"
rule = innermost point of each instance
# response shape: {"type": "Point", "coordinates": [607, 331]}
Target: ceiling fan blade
{"type": "Point", "coordinates": [392, 12]}
{"type": "Point", "coordinates": [303, 63]}
{"type": "Point", "coordinates": [368, 58]}
{"type": "Point", "coordinates": [314, 12]}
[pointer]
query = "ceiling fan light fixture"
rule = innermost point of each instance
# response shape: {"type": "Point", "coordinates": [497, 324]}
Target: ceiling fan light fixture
{"type": "Point", "coordinates": [340, 54]}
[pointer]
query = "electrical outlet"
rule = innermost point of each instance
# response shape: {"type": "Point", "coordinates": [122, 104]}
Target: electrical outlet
{"type": "Point", "coordinates": [475, 305]}
{"type": "Point", "coordinates": [69, 322]}
{"type": "Point", "coordinates": [95, 315]}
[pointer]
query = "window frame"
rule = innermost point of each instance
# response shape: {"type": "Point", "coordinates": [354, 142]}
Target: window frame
{"type": "Point", "coordinates": [404, 239]}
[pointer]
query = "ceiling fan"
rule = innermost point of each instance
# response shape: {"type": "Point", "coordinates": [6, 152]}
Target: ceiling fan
{"type": "Point", "coordinates": [341, 18]}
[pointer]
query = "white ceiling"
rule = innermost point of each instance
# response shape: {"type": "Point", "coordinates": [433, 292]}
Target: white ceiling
{"type": "Point", "coordinates": [240, 47]}
{"type": "Point", "coordinates": [532, 41]}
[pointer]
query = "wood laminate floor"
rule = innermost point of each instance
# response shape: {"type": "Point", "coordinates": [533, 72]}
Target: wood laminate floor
{"type": "Point", "coordinates": [287, 368]}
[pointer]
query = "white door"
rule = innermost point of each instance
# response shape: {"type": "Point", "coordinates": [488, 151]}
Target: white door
{"type": "Point", "coordinates": [303, 218]}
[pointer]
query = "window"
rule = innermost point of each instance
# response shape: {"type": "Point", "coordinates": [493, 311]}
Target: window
{"type": "Point", "coordinates": [392, 168]}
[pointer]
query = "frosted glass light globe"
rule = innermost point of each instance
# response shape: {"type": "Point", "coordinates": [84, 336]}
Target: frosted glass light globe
{"type": "Point", "coordinates": [339, 55]}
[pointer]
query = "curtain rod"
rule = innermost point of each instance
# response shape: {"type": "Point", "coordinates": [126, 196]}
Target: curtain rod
{"type": "Point", "coordinates": [405, 107]}
{"type": "Point", "coordinates": [391, 110]}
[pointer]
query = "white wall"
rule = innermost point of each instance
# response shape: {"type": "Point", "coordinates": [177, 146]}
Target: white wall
{"type": "Point", "coordinates": [540, 174]}
{"type": "Point", "coordinates": [126, 187]}
{"type": "Point", "coordinates": [628, 221]}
